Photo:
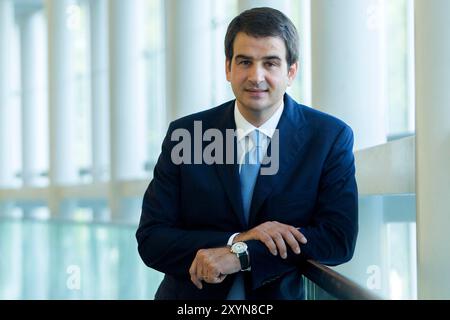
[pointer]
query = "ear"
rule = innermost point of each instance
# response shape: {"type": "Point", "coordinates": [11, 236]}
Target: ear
{"type": "Point", "coordinates": [228, 69]}
{"type": "Point", "coordinates": [292, 72]}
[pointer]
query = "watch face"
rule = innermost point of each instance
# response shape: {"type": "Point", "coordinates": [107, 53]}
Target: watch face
{"type": "Point", "coordinates": [239, 247]}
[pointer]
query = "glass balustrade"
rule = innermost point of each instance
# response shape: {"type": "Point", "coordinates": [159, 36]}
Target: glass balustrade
{"type": "Point", "coordinates": [64, 260]}
{"type": "Point", "coordinates": [56, 259]}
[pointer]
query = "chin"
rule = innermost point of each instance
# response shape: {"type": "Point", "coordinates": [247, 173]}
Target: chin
{"type": "Point", "coordinates": [256, 107]}
{"type": "Point", "coordinates": [257, 104]}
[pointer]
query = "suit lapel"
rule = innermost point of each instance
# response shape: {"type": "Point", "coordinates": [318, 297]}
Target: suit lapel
{"type": "Point", "coordinates": [229, 173]}
{"type": "Point", "coordinates": [292, 137]}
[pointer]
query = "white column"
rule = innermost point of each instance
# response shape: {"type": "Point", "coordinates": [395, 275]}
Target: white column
{"type": "Point", "coordinates": [128, 144]}
{"type": "Point", "coordinates": [127, 119]}
{"type": "Point", "coordinates": [433, 147]}
{"type": "Point", "coordinates": [348, 65]}
{"type": "Point", "coordinates": [221, 90]}
{"type": "Point", "coordinates": [98, 18]}
{"type": "Point", "coordinates": [282, 5]}
{"type": "Point", "coordinates": [189, 80]}
{"type": "Point", "coordinates": [300, 14]}
{"type": "Point", "coordinates": [63, 170]}
{"type": "Point", "coordinates": [305, 52]}
{"type": "Point", "coordinates": [156, 83]}
{"type": "Point", "coordinates": [6, 21]}
{"type": "Point", "coordinates": [30, 112]}
{"type": "Point", "coordinates": [411, 81]}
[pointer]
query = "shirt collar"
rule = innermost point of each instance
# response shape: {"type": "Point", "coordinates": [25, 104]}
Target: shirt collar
{"type": "Point", "coordinates": [243, 127]}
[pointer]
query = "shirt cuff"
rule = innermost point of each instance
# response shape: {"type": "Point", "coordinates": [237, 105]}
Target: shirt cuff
{"type": "Point", "coordinates": [230, 240]}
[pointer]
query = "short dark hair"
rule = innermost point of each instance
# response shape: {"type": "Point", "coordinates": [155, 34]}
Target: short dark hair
{"type": "Point", "coordinates": [264, 22]}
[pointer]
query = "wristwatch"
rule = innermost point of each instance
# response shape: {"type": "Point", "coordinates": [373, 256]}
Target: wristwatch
{"type": "Point", "coordinates": [240, 249]}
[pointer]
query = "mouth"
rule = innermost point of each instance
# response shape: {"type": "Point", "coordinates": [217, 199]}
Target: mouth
{"type": "Point", "coordinates": [256, 92]}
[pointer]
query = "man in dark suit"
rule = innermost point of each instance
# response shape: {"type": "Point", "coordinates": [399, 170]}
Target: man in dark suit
{"type": "Point", "coordinates": [235, 227]}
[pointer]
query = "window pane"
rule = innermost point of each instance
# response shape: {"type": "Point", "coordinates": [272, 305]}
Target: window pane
{"type": "Point", "coordinates": [400, 60]}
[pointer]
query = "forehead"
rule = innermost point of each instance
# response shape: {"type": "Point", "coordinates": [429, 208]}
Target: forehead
{"type": "Point", "coordinates": [257, 47]}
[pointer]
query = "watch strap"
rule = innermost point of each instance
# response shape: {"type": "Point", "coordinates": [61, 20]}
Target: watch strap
{"type": "Point", "coordinates": [244, 259]}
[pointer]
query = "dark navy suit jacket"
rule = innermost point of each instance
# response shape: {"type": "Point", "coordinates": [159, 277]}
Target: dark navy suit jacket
{"type": "Point", "coordinates": [188, 207]}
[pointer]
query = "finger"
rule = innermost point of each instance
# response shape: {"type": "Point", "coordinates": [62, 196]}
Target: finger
{"type": "Point", "coordinates": [196, 282]}
{"type": "Point", "coordinates": [199, 272]}
{"type": "Point", "coordinates": [291, 241]}
{"type": "Point", "coordinates": [193, 268]}
{"type": "Point", "coordinates": [193, 273]}
{"type": "Point", "coordinates": [280, 244]}
{"type": "Point", "coordinates": [268, 241]}
{"type": "Point", "coordinates": [298, 235]}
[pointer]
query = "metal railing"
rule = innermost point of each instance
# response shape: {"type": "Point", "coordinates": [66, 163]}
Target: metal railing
{"type": "Point", "coordinates": [332, 284]}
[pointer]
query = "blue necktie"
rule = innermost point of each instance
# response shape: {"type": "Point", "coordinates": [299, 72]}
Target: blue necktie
{"type": "Point", "coordinates": [249, 171]}
{"type": "Point", "coordinates": [248, 174]}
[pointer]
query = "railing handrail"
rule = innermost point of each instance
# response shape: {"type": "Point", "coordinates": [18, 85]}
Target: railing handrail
{"type": "Point", "coordinates": [334, 283]}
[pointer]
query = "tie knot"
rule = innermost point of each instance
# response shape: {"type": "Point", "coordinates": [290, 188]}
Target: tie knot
{"type": "Point", "coordinates": [255, 138]}
{"type": "Point", "coordinates": [253, 147]}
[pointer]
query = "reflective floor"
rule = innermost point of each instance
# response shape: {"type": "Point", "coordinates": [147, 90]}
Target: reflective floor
{"type": "Point", "coordinates": [63, 260]}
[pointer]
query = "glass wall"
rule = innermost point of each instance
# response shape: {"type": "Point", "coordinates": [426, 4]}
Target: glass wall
{"type": "Point", "coordinates": [58, 260]}
{"type": "Point", "coordinates": [400, 67]}
{"type": "Point", "coordinates": [385, 256]}
{"type": "Point", "coordinates": [399, 20]}
{"type": "Point", "coordinates": [150, 83]}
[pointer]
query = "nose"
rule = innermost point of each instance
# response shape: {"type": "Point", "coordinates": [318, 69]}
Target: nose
{"type": "Point", "coordinates": [256, 74]}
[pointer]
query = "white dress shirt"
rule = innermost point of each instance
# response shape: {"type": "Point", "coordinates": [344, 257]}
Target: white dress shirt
{"type": "Point", "coordinates": [243, 128]}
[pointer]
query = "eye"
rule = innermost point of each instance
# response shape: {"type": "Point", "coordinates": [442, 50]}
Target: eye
{"type": "Point", "coordinates": [244, 62]}
{"type": "Point", "coordinates": [270, 64]}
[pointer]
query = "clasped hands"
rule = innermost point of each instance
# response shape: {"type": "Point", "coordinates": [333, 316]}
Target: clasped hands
{"type": "Point", "coordinates": [213, 265]}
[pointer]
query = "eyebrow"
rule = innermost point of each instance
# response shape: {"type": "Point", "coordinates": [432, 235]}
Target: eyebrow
{"type": "Point", "coordinates": [244, 57]}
